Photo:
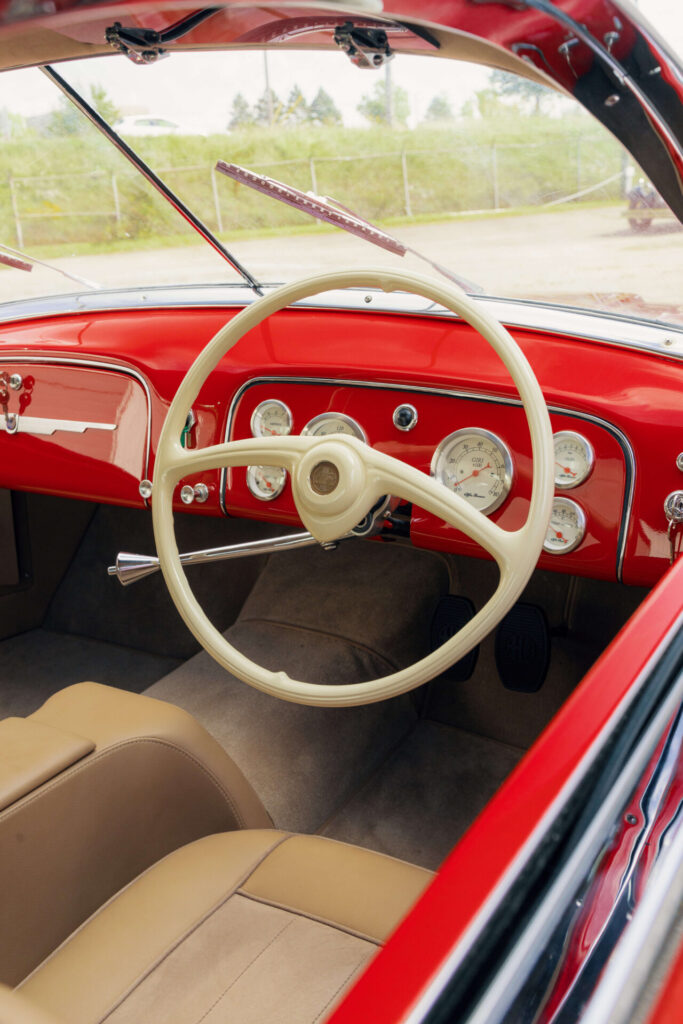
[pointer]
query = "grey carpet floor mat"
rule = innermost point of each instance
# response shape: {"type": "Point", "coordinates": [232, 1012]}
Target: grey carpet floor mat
{"type": "Point", "coordinates": [425, 796]}
{"type": "Point", "coordinates": [326, 617]}
{"type": "Point", "coordinates": [36, 664]}
{"type": "Point", "coordinates": [303, 762]}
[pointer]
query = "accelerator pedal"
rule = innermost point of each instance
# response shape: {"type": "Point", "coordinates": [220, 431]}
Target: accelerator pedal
{"type": "Point", "coordinates": [452, 613]}
{"type": "Point", "coordinates": [522, 648]}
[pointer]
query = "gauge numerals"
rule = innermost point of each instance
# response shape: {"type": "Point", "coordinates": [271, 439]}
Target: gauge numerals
{"type": "Point", "coordinates": [574, 459]}
{"type": "Point", "coordinates": [266, 482]}
{"type": "Point", "coordinates": [334, 423]}
{"type": "Point", "coordinates": [271, 418]}
{"type": "Point", "coordinates": [475, 464]}
{"type": "Point", "coordinates": [567, 527]}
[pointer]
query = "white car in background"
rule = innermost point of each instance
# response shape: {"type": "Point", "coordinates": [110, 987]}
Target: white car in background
{"type": "Point", "coordinates": [148, 124]}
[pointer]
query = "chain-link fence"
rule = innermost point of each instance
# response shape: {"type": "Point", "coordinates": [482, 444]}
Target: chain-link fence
{"type": "Point", "coordinates": [101, 206]}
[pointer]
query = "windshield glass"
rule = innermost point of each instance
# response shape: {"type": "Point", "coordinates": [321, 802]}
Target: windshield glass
{"type": "Point", "coordinates": [508, 184]}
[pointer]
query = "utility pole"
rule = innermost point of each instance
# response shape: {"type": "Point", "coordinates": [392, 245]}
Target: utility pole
{"type": "Point", "coordinates": [269, 95]}
{"type": "Point", "coordinates": [389, 94]}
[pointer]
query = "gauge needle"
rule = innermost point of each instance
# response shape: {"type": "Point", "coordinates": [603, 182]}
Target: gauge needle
{"type": "Point", "coordinates": [565, 469]}
{"type": "Point", "coordinates": [475, 472]}
{"type": "Point", "coordinates": [558, 534]}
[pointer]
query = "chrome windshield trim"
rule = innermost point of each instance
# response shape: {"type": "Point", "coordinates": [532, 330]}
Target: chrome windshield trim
{"type": "Point", "coordinates": [434, 988]}
{"type": "Point", "coordinates": [525, 314]}
{"type": "Point", "coordinates": [95, 364]}
{"type": "Point", "coordinates": [478, 396]}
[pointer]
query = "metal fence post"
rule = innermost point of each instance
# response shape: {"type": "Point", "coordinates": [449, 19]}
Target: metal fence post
{"type": "Point", "coordinates": [115, 194]}
{"type": "Point", "coordinates": [406, 184]}
{"type": "Point", "coordinates": [494, 175]}
{"type": "Point", "coordinates": [15, 211]}
{"type": "Point", "coordinates": [216, 199]}
{"type": "Point", "coordinates": [314, 177]}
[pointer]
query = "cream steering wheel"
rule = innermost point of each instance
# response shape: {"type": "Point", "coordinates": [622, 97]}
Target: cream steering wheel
{"type": "Point", "coordinates": [337, 480]}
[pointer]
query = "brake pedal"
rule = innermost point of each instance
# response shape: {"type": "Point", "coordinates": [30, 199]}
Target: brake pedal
{"type": "Point", "coordinates": [522, 648]}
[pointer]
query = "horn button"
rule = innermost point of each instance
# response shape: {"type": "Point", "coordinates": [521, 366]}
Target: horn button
{"type": "Point", "coordinates": [324, 477]}
{"type": "Point", "coordinates": [331, 488]}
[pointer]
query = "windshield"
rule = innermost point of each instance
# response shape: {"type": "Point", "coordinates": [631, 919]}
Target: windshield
{"type": "Point", "coordinates": [503, 181]}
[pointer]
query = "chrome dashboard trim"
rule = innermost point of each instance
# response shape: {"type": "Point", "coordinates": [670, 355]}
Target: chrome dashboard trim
{"type": "Point", "coordinates": [52, 360]}
{"type": "Point", "coordinates": [496, 897]}
{"type": "Point", "coordinates": [524, 314]}
{"type": "Point", "coordinates": [618, 435]}
{"type": "Point", "coordinates": [42, 425]}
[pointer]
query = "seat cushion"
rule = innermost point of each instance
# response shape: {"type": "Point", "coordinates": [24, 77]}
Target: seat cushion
{"type": "Point", "coordinates": [250, 926]}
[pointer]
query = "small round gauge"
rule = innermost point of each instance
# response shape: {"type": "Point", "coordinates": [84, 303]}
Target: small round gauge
{"type": "Point", "coordinates": [334, 423]}
{"type": "Point", "coordinates": [567, 527]}
{"type": "Point", "coordinates": [475, 464]}
{"type": "Point", "coordinates": [271, 417]}
{"type": "Point", "coordinates": [266, 482]}
{"type": "Point", "coordinates": [574, 458]}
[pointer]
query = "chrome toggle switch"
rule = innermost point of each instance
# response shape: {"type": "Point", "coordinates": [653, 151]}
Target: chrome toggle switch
{"type": "Point", "coordinates": [199, 493]}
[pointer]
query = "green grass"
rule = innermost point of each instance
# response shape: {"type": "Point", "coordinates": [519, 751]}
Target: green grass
{"type": "Point", "coordinates": [451, 170]}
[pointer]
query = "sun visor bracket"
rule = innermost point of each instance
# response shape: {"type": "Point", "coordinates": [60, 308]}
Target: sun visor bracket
{"type": "Point", "coordinates": [367, 48]}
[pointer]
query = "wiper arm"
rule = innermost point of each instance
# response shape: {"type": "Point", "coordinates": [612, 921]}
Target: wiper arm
{"type": "Point", "coordinates": [331, 211]}
{"type": "Point", "coordinates": [22, 261]}
{"type": "Point", "coordinates": [147, 172]}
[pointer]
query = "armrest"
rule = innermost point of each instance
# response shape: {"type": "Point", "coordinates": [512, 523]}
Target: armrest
{"type": "Point", "coordinates": [31, 753]}
{"type": "Point", "coordinates": [151, 781]}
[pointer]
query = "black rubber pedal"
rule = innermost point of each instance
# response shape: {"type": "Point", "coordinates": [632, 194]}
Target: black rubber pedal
{"type": "Point", "coordinates": [452, 613]}
{"type": "Point", "coordinates": [522, 648]}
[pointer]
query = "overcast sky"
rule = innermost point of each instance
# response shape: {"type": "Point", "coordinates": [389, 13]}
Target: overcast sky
{"type": "Point", "coordinates": [210, 81]}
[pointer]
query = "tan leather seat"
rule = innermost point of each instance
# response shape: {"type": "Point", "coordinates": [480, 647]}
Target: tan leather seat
{"type": "Point", "coordinates": [246, 926]}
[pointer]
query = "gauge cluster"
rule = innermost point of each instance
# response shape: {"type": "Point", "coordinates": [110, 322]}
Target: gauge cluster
{"type": "Point", "coordinates": [477, 447]}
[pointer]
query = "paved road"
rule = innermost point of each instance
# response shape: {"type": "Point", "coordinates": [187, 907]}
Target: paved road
{"type": "Point", "coordinates": [566, 255]}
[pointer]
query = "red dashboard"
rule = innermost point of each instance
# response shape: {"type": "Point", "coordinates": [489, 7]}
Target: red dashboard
{"type": "Point", "coordinates": [114, 373]}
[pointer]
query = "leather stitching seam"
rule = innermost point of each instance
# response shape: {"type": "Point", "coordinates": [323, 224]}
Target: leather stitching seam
{"type": "Point", "coordinates": [310, 916]}
{"type": "Point", "coordinates": [146, 971]}
{"type": "Point", "coordinates": [347, 979]}
{"type": "Point", "coordinates": [244, 971]}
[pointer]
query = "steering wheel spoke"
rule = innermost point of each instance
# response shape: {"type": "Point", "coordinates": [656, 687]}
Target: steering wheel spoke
{"type": "Point", "coordinates": [412, 485]}
{"type": "Point", "coordinates": [271, 451]}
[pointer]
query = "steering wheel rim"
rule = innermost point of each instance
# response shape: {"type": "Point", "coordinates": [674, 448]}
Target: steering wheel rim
{"type": "Point", "coordinates": [363, 475]}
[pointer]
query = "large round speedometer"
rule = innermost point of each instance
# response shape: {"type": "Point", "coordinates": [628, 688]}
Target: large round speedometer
{"type": "Point", "coordinates": [475, 464]}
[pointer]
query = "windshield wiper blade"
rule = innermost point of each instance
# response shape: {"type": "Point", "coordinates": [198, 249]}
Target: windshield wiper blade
{"type": "Point", "coordinates": [14, 262]}
{"type": "Point", "coordinates": [147, 172]}
{"type": "Point", "coordinates": [22, 261]}
{"type": "Point", "coordinates": [331, 211]}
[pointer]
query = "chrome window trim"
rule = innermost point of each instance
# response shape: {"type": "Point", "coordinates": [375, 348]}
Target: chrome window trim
{"type": "Point", "coordinates": [52, 360]}
{"type": "Point", "coordinates": [524, 314]}
{"type": "Point", "coordinates": [496, 897]}
{"type": "Point", "coordinates": [626, 974]}
{"type": "Point", "coordinates": [495, 1004]}
{"type": "Point", "coordinates": [618, 435]}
